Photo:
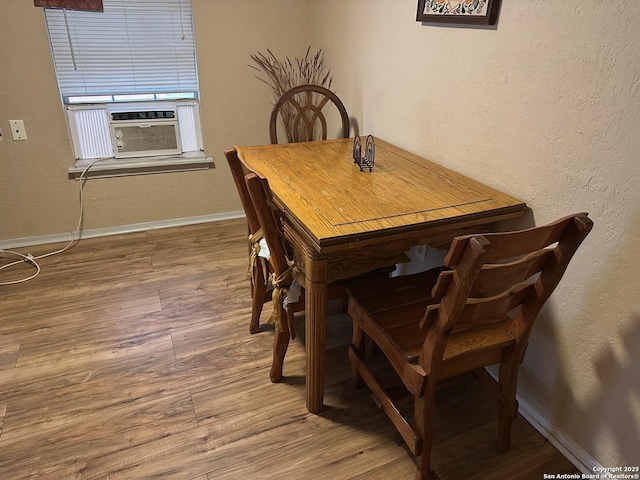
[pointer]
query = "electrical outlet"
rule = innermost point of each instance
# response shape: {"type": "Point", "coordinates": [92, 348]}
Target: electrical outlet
{"type": "Point", "coordinates": [17, 130]}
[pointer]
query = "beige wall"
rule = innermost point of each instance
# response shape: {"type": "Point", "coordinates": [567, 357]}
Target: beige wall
{"type": "Point", "coordinates": [37, 198]}
{"type": "Point", "coordinates": [546, 107]}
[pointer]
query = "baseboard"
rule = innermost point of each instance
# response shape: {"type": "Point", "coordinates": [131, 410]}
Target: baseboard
{"type": "Point", "coordinates": [134, 227]}
{"type": "Point", "coordinates": [558, 438]}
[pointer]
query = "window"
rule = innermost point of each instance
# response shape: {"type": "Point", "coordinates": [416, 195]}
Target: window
{"type": "Point", "coordinates": [128, 81]}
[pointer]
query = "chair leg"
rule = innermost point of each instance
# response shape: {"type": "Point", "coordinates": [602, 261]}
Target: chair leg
{"type": "Point", "coordinates": [259, 292]}
{"type": "Point", "coordinates": [344, 302]}
{"type": "Point", "coordinates": [507, 403]}
{"type": "Point", "coordinates": [280, 346]}
{"type": "Point", "coordinates": [358, 341]}
{"type": "Point", "coordinates": [424, 409]}
{"type": "Point", "coordinates": [372, 348]}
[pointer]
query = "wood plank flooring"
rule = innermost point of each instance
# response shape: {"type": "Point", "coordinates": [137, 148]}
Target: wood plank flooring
{"type": "Point", "coordinates": [130, 357]}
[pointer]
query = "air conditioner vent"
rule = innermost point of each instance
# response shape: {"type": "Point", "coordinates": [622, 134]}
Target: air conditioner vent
{"type": "Point", "coordinates": [152, 139]}
{"type": "Point", "coordinates": [149, 115]}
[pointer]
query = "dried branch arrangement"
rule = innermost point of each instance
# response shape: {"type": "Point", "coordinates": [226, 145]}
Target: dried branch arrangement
{"type": "Point", "coordinates": [282, 75]}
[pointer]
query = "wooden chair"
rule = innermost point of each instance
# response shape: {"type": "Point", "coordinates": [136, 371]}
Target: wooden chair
{"type": "Point", "coordinates": [257, 273]}
{"type": "Point", "coordinates": [439, 324]}
{"type": "Point", "coordinates": [301, 110]}
{"type": "Point", "coordinates": [283, 267]}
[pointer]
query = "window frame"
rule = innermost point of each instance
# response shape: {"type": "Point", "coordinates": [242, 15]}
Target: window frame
{"type": "Point", "coordinates": [127, 92]}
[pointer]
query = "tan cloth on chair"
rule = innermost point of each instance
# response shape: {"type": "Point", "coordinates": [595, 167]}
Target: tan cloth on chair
{"type": "Point", "coordinates": [260, 253]}
{"type": "Point", "coordinates": [282, 296]}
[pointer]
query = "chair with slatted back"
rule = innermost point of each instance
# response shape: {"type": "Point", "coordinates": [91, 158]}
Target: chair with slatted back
{"type": "Point", "coordinates": [438, 324]}
{"type": "Point", "coordinates": [257, 272]}
{"type": "Point", "coordinates": [303, 114]}
{"type": "Point", "coordinates": [284, 269]}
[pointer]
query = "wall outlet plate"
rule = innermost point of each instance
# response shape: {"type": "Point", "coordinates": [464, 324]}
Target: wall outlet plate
{"type": "Point", "coordinates": [17, 130]}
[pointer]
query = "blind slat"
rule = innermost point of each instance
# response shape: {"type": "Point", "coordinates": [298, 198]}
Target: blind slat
{"type": "Point", "coordinates": [133, 47]}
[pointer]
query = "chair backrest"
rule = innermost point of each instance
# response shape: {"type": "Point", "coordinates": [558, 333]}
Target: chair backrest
{"type": "Point", "coordinates": [499, 278]}
{"type": "Point", "coordinates": [238, 171]}
{"type": "Point", "coordinates": [301, 111]}
{"type": "Point", "coordinates": [266, 211]}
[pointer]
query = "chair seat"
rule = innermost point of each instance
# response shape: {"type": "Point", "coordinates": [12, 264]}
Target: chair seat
{"type": "Point", "coordinates": [403, 289]}
{"type": "Point", "coordinates": [395, 308]}
{"type": "Point", "coordinates": [395, 305]}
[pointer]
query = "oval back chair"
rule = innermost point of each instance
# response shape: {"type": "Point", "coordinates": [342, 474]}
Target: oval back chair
{"type": "Point", "coordinates": [302, 113]}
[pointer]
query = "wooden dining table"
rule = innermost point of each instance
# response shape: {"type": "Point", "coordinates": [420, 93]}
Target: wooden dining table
{"type": "Point", "coordinates": [343, 221]}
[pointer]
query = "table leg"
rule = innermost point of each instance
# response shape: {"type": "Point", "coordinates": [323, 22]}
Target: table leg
{"type": "Point", "coordinates": [315, 329]}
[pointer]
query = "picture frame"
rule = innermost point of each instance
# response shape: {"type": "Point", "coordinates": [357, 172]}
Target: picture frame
{"type": "Point", "coordinates": [470, 12]}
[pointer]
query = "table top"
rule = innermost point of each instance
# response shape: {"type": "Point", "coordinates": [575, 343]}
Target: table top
{"type": "Point", "coordinates": [322, 189]}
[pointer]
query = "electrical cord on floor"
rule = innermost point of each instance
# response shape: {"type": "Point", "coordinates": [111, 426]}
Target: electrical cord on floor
{"type": "Point", "coordinates": [28, 258]}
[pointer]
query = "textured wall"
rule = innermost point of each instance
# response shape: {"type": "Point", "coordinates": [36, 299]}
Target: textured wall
{"type": "Point", "coordinates": [37, 198]}
{"type": "Point", "coordinates": [545, 107]}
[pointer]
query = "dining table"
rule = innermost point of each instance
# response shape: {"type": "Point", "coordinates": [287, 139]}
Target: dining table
{"type": "Point", "coordinates": [342, 221]}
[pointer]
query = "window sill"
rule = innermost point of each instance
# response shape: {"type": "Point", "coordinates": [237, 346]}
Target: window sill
{"type": "Point", "coordinates": [119, 167]}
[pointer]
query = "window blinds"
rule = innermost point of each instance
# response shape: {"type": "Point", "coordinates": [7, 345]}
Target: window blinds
{"type": "Point", "coordinates": [133, 47]}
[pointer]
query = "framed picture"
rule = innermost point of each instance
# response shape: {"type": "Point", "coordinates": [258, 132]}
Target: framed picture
{"type": "Point", "coordinates": [474, 12]}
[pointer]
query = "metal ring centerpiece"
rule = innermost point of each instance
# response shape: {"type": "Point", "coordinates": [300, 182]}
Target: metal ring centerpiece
{"type": "Point", "coordinates": [369, 153]}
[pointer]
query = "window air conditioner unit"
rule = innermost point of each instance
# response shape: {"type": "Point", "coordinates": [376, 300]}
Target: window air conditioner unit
{"type": "Point", "coordinates": [137, 131]}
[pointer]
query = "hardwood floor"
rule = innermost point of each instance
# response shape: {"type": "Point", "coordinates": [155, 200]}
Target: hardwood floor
{"type": "Point", "coordinates": [130, 357]}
